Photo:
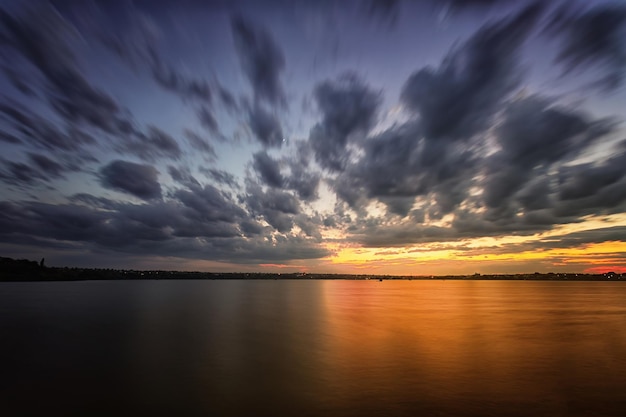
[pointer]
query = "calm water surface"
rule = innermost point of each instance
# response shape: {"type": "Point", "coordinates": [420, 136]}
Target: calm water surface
{"type": "Point", "coordinates": [309, 348]}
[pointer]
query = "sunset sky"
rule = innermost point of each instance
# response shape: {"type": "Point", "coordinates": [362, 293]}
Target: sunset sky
{"type": "Point", "coordinates": [383, 137]}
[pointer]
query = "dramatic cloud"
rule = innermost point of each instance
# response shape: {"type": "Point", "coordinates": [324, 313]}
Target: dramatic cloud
{"type": "Point", "coordinates": [268, 169]}
{"type": "Point", "coordinates": [276, 207]}
{"type": "Point", "coordinates": [303, 181]}
{"type": "Point", "coordinates": [147, 229]}
{"type": "Point", "coordinates": [209, 204]}
{"type": "Point", "coordinates": [49, 221]}
{"type": "Point", "coordinates": [138, 180]}
{"type": "Point", "coordinates": [534, 135]}
{"type": "Point", "coordinates": [183, 176]}
{"type": "Point", "coordinates": [261, 59]}
{"type": "Point", "coordinates": [411, 132]}
{"type": "Point", "coordinates": [593, 37]}
{"type": "Point", "coordinates": [265, 126]}
{"type": "Point", "coordinates": [586, 180]}
{"type": "Point", "coordinates": [38, 168]}
{"type": "Point", "coordinates": [348, 107]}
{"type": "Point", "coordinates": [459, 98]}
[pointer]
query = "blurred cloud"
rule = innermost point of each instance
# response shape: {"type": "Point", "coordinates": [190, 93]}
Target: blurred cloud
{"type": "Point", "coordinates": [138, 180]}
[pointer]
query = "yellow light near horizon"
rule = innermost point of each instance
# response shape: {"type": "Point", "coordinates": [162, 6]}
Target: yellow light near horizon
{"type": "Point", "coordinates": [358, 257]}
{"type": "Point", "coordinates": [502, 253]}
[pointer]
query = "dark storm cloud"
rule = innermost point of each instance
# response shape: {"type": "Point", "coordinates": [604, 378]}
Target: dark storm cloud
{"type": "Point", "coordinates": [280, 201]}
{"type": "Point", "coordinates": [200, 211]}
{"type": "Point", "coordinates": [183, 176]}
{"type": "Point", "coordinates": [138, 180]}
{"type": "Point", "coordinates": [298, 176]}
{"type": "Point", "coordinates": [260, 250]}
{"type": "Point", "coordinates": [261, 59]}
{"type": "Point", "coordinates": [594, 37]}
{"type": "Point", "coordinates": [209, 204]}
{"type": "Point", "coordinates": [251, 228]}
{"type": "Point", "coordinates": [535, 131]}
{"type": "Point", "coordinates": [398, 165]}
{"type": "Point", "coordinates": [146, 228]}
{"type": "Point", "coordinates": [390, 165]}
{"type": "Point", "coordinates": [374, 232]}
{"type": "Point", "coordinates": [38, 168]}
{"type": "Point", "coordinates": [398, 205]}
{"type": "Point", "coordinates": [534, 135]}
{"type": "Point", "coordinates": [535, 195]}
{"type": "Point", "coordinates": [303, 181]}
{"type": "Point", "coordinates": [581, 181]}
{"type": "Point", "coordinates": [458, 99]}
{"type": "Point", "coordinates": [277, 207]}
{"type": "Point", "coordinates": [540, 199]}
{"type": "Point", "coordinates": [265, 126]}
{"type": "Point", "coordinates": [439, 158]}
{"type": "Point", "coordinates": [521, 191]}
{"type": "Point", "coordinates": [48, 221]}
{"type": "Point", "coordinates": [199, 223]}
{"type": "Point", "coordinates": [268, 169]}
{"type": "Point", "coordinates": [348, 107]}
{"type": "Point", "coordinates": [585, 190]}
{"type": "Point", "coordinates": [301, 177]}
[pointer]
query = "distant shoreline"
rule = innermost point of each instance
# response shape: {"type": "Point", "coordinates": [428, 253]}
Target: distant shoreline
{"type": "Point", "coordinates": [12, 270]}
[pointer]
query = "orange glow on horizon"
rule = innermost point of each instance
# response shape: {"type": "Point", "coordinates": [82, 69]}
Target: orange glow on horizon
{"type": "Point", "coordinates": [432, 259]}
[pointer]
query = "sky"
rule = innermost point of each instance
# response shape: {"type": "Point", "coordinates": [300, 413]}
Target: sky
{"type": "Point", "coordinates": [363, 137]}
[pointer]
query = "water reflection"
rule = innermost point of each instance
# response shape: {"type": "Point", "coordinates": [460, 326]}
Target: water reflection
{"type": "Point", "coordinates": [478, 347]}
{"type": "Point", "coordinates": [336, 348]}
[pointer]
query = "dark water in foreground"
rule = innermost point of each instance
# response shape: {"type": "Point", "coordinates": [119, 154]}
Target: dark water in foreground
{"type": "Point", "coordinates": [327, 348]}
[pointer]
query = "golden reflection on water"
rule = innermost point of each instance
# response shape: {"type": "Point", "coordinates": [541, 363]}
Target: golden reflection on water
{"type": "Point", "coordinates": [476, 347]}
{"type": "Point", "coordinates": [313, 348]}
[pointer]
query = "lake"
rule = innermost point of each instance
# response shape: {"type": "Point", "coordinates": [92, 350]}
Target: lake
{"type": "Point", "coordinates": [313, 348]}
